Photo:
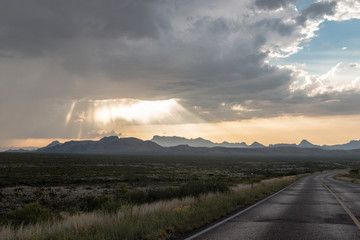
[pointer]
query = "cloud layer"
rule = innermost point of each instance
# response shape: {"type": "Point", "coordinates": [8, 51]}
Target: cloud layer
{"type": "Point", "coordinates": [210, 55]}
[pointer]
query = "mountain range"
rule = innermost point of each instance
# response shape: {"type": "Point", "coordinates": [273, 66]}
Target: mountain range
{"type": "Point", "coordinates": [198, 146]}
{"type": "Point", "coordinates": [199, 142]}
{"type": "Point", "coordinates": [166, 141]}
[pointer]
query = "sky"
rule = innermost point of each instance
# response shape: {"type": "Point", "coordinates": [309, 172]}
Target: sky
{"type": "Point", "coordinates": [271, 71]}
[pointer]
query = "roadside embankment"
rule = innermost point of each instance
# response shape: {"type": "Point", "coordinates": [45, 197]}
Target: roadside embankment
{"type": "Point", "coordinates": [353, 176]}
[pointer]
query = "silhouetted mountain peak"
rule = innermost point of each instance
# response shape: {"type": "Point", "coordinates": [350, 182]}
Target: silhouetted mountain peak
{"type": "Point", "coordinates": [304, 141]}
{"type": "Point", "coordinates": [110, 139]}
{"type": "Point", "coordinates": [256, 145]}
{"type": "Point", "coordinates": [306, 144]}
{"type": "Point", "coordinates": [54, 143]}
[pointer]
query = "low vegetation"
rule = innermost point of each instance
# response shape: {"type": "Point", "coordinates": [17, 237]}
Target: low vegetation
{"type": "Point", "coordinates": [59, 196]}
{"type": "Point", "coordinates": [158, 220]}
{"type": "Point", "coordinates": [352, 175]}
{"type": "Point", "coordinates": [29, 214]}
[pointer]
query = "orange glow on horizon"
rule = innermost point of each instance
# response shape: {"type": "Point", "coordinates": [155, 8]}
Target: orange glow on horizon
{"type": "Point", "coordinates": [32, 142]}
{"type": "Point", "coordinates": [286, 129]}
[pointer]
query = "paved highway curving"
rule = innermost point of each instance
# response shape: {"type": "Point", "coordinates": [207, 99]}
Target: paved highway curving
{"type": "Point", "coordinates": [315, 207]}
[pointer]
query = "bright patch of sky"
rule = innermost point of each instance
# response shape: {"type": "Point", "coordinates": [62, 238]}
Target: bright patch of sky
{"type": "Point", "coordinates": [300, 5]}
{"type": "Point", "coordinates": [334, 42]}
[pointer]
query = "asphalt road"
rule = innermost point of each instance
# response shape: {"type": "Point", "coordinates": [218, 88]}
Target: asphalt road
{"type": "Point", "coordinates": [312, 208]}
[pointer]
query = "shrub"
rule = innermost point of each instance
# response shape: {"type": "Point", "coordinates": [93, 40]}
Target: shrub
{"type": "Point", "coordinates": [137, 196]}
{"type": "Point", "coordinates": [1, 195]}
{"type": "Point", "coordinates": [355, 172]}
{"type": "Point", "coordinates": [161, 194]}
{"type": "Point", "coordinates": [159, 220]}
{"type": "Point", "coordinates": [30, 213]}
{"type": "Point", "coordinates": [120, 190]}
{"type": "Point", "coordinates": [195, 188]}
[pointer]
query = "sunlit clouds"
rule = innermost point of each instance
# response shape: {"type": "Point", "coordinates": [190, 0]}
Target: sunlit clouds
{"type": "Point", "coordinates": [340, 78]}
{"type": "Point", "coordinates": [226, 70]}
{"type": "Point", "coordinates": [95, 118]}
{"type": "Point", "coordinates": [137, 111]}
{"type": "Point", "coordinates": [345, 10]}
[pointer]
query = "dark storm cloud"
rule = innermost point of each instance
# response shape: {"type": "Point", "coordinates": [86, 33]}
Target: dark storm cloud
{"type": "Point", "coordinates": [33, 27]}
{"type": "Point", "coordinates": [316, 11]}
{"type": "Point", "coordinates": [207, 53]}
{"type": "Point", "coordinates": [272, 4]}
{"type": "Point", "coordinates": [326, 104]}
{"type": "Point", "coordinates": [277, 25]}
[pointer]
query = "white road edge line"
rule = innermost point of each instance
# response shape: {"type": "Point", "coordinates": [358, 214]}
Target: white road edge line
{"type": "Point", "coordinates": [239, 213]}
{"type": "Point", "coordinates": [352, 216]}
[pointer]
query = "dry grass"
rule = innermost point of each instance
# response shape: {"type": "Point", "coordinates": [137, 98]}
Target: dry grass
{"type": "Point", "coordinates": [157, 220]}
{"type": "Point", "coordinates": [347, 179]}
{"type": "Point", "coordinates": [83, 221]}
{"type": "Point", "coordinates": [352, 175]}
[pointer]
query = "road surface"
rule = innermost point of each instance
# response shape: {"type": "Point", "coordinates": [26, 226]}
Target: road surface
{"type": "Point", "coordinates": [315, 207]}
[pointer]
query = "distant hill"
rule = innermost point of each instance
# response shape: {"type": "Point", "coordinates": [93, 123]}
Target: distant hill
{"type": "Point", "coordinates": [197, 142]}
{"type": "Point", "coordinates": [264, 151]}
{"type": "Point", "coordinates": [176, 141]}
{"type": "Point", "coordinates": [116, 145]}
{"type": "Point", "coordinates": [306, 144]}
{"type": "Point", "coordinates": [54, 143]}
{"type": "Point", "coordinates": [256, 145]}
{"type": "Point", "coordinates": [23, 149]}
{"type": "Point", "coordinates": [303, 144]}
{"type": "Point", "coordinates": [281, 145]}
{"type": "Point", "coordinates": [107, 145]}
{"type": "Point", "coordinates": [348, 146]}
{"type": "Point", "coordinates": [20, 150]}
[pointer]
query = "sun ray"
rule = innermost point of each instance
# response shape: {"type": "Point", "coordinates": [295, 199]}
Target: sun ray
{"type": "Point", "coordinates": [69, 115]}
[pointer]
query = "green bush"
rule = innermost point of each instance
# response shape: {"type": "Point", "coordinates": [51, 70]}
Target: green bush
{"type": "Point", "coordinates": [104, 203]}
{"type": "Point", "coordinates": [137, 196]}
{"type": "Point", "coordinates": [192, 188]}
{"type": "Point", "coordinates": [120, 190]}
{"type": "Point", "coordinates": [196, 188]}
{"type": "Point", "coordinates": [93, 203]}
{"type": "Point", "coordinates": [161, 194]}
{"type": "Point", "coordinates": [355, 172]}
{"type": "Point", "coordinates": [1, 195]}
{"type": "Point", "coordinates": [30, 213]}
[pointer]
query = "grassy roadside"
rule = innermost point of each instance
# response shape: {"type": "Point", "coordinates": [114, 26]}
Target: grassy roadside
{"type": "Point", "coordinates": [158, 220]}
{"type": "Point", "coordinates": [352, 176]}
